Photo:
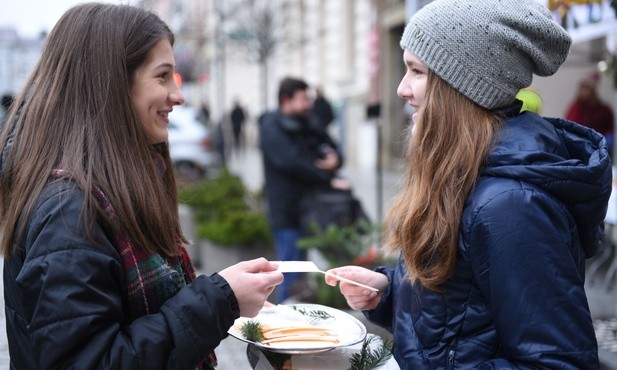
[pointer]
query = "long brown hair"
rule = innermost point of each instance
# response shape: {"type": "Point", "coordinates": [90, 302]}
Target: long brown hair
{"type": "Point", "coordinates": [444, 158]}
{"type": "Point", "coordinates": [75, 111]}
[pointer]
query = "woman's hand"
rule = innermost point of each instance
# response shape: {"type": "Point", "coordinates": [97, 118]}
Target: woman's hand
{"type": "Point", "coordinates": [252, 282]}
{"type": "Point", "coordinates": [359, 298]}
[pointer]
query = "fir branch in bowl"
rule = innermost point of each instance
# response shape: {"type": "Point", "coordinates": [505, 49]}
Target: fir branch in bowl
{"type": "Point", "coordinates": [315, 314]}
{"type": "Point", "coordinates": [251, 330]}
{"type": "Point", "coordinates": [368, 358]}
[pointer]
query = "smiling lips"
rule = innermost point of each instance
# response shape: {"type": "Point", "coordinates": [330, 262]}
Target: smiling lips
{"type": "Point", "coordinates": [414, 116]}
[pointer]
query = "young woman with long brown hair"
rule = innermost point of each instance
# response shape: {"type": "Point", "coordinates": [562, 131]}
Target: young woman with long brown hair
{"type": "Point", "coordinates": [499, 208]}
{"type": "Point", "coordinates": [96, 274]}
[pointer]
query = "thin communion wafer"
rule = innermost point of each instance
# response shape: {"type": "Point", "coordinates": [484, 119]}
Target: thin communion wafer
{"type": "Point", "coordinates": [303, 338]}
{"type": "Point", "coordinates": [299, 328]}
{"type": "Point", "coordinates": [291, 330]}
{"type": "Point", "coordinates": [298, 333]}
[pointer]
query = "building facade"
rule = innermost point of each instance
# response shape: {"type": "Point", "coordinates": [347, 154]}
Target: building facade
{"type": "Point", "coordinates": [240, 49]}
{"type": "Point", "coordinates": [18, 56]}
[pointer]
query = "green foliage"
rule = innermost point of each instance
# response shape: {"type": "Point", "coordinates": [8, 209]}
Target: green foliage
{"type": "Point", "coordinates": [252, 331]}
{"type": "Point", "coordinates": [341, 245]}
{"type": "Point", "coordinates": [237, 227]}
{"type": "Point", "coordinates": [368, 359]}
{"type": "Point", "coordinates": [329, 296]}
{"type": "Point", "coordinates": [226, 212]}
{"type": "Point", "coordinates": [316, 314]}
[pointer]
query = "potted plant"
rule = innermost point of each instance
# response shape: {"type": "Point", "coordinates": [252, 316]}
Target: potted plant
{"type": "Point", "coordinates": [230, 223]}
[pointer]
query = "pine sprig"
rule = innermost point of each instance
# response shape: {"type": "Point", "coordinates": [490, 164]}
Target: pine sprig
{"type": "Point", "coordinates": [252, 331]}
{"type": "Point", "coordinates": [317, 314]}
{"type": "Point", "coordinates": [368, 359]}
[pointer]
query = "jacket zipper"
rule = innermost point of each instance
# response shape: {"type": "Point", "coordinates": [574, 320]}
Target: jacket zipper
{"type": "Point", "coordinates": [451, 358]}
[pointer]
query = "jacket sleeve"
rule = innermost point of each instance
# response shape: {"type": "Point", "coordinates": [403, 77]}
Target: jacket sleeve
{"type": "Point", "coordinates": [324, 138]}
{"type": "Point", "coordinates": [528, 262]}
{"type": "Point", "coordinates": [71, 288]}
{"type": "Point", "coordinates": [281, 152]}
{"type": "Point", "coordinates": [382, 315]}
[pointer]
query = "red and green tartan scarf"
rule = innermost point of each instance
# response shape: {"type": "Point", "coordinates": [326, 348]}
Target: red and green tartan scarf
{"type": "Point", "coordinates": [151, 278]}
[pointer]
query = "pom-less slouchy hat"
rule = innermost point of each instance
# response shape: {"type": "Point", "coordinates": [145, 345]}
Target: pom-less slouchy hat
{"type": "Point", "coordinates": [487, 49]}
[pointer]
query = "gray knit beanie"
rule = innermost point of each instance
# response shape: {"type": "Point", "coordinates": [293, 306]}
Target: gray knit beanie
{"type": "Point", "coordinates": [487, 49]}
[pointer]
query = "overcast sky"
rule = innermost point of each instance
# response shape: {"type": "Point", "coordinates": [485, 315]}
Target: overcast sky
{"type": "Point", "coordinates": [30, 17]}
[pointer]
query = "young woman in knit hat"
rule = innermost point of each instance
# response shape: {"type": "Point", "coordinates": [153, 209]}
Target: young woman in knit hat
{"type": "Point", "coordinates": [96, 275]}
{"type": "Point", "coordinates": [499, 208]}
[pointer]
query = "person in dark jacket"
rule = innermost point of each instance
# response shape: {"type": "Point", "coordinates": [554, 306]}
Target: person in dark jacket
{"type": "Point", "coordinates": [296, 158]}
{"type": "Point", "coordinates": [7, 101]}
{"type": "Point", "coordinates": [96, 275]}
{"type": "Point", "coordinates": [322, 111]}
{"type": "Point", "coordinates": [500, 207]}
{"type": "Point", "coordinates": [237, 118]}
{"type": "Point", "coordinates": [589, 110]}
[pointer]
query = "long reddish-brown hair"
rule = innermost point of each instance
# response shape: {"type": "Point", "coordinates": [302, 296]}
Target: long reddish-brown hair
{"type": "Point", "coordinates": [75, 112]}
{"type": "Point", "coordinates": [444, 157]}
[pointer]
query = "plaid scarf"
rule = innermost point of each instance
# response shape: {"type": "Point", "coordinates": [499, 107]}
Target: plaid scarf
{"type": "Point", "coordinates": [151, 278]}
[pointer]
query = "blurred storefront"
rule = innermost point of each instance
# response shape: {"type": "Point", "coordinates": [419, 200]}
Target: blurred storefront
{"type": "Point", "coordinates": [17, 58]}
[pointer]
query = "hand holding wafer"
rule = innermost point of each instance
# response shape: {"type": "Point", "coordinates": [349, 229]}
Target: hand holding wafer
{"type": "Point", "coordinates": [309, 266]}
{"type": "Point", "coordinates": [358, 298]}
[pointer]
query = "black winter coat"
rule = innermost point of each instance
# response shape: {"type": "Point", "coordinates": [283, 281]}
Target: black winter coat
{"type": "Point", "coordinates": [66, 307]}
{"type": "Point", "coordinates": [290, 149]}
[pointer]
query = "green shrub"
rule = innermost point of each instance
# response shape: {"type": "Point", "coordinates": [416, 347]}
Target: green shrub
{"type": "Point", "coordinates": [225, 211]}
{"type": "Point", "coordinates": [340, 245]}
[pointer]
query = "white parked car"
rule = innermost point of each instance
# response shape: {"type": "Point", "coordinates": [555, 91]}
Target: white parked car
{"type": "Point", "coordinates": [192, 145]}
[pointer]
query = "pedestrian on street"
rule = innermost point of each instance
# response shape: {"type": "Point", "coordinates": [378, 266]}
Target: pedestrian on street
{"type": "Point", "coordinates": [322, 111]}
{"type": "Point", "coordinates": [96, 274]}
{"type": "Point", "coordinates": [499, 208]}
{"type": "Point", "coordinates": [589, 110]}
{"type": "Point", "coordinates": [7, 102]}
{"type": "Point", "coordinates": [297, 158]}
{"type": "Point", "coordinates": [237, 117]}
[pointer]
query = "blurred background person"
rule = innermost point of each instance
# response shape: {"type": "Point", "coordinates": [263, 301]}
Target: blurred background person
{"type": "Point", "coordinates": [204, 114]}
{"type": "Point", "coordinates": [7, 101]}
{"type": "Point", "coordinates": [589, 110]}
{"type": "Point", "coordinates": [237, 118]}
{"type": "Point", "coordinates": [297, 158]}
{"type": "Point", "coordinates": [322, 112]}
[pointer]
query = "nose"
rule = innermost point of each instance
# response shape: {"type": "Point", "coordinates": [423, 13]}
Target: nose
{"type": "Point", "coordinates": [403, 89]}
{"type": "Point", "coordinates": [176, 96]}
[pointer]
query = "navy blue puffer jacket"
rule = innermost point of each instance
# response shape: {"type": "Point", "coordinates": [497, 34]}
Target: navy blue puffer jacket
{"type": "Point", "coordinates": [516, 299]}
